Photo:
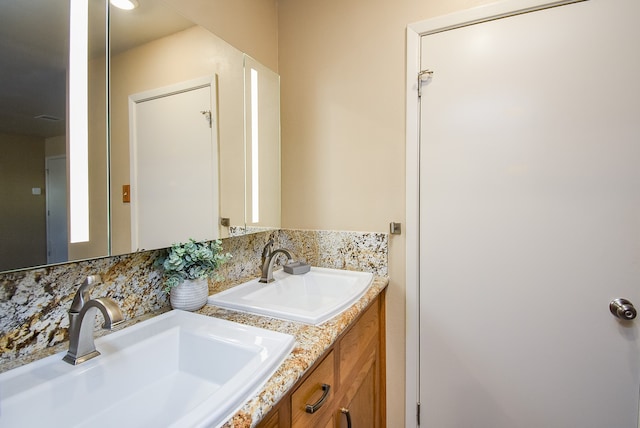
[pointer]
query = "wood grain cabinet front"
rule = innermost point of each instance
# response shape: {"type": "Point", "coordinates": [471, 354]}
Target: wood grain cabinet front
{"type": "Point", "coordinates": [360, 383]}
{"type": "Point", "coordinates": [346, 387]}
{"type": "Point", "coordinates": [312, 400]}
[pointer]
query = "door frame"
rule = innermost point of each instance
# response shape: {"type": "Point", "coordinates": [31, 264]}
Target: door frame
{"type": "Point", "coordinates": [415, 31]}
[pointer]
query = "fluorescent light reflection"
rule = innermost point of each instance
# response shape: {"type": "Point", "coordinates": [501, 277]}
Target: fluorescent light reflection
{"type": "Point", "coordinates": [78, 122]}
{"type": "Point", "coordinates": [255, 188]}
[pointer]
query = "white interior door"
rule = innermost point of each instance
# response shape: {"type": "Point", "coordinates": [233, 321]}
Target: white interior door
{"type": "Point", "coordinates": [530, 220]}
{"type": "Point", "coordinates": [56, 200]}
{"type": "Point", "coordinates": [174, 168]}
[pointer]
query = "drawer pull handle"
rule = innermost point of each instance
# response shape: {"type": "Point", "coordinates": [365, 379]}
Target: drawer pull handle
{"type": "Point", "coordinates": [348, 415]}
{"type": "Point", "coordinates": [312, 408]}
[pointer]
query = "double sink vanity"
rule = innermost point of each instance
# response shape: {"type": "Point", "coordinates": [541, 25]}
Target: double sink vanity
{"type": "Point", "coordinates": [306, 350]}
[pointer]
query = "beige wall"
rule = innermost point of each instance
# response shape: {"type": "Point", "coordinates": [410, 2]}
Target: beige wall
{"type": "Point", "coordinates": [55, 146]}
{"type": "Point", "coordinates": [23, 225]}
{"type": "Point", "coordinates": [249, 25]}
{"type": "Point", "coordinates": [342, 68]}
{"type": "Point", "coordinates": [23, 230]}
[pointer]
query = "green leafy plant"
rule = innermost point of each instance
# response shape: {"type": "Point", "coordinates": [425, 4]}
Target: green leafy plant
{"type": "Point", "coordinates": [191, 260]}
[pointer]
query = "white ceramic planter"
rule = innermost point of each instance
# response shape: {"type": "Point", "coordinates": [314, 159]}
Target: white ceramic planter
{"type": "Point", "coordinates": [191, 295]}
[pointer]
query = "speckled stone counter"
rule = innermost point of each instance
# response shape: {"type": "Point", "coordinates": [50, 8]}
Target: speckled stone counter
{"type": "Point", "coordinates": [311, 343]}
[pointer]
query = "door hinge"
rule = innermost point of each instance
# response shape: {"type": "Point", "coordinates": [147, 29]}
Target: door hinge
{"type": "Point", "coordinates": [423, 76]}
{"type": "Point", "coordinates": [208, 117]}
{"type": "Point", "coordinates": [418, 413]}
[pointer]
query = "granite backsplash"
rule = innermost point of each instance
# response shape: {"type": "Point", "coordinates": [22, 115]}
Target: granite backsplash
{"type": "Point", "coordinates": [34, 302]}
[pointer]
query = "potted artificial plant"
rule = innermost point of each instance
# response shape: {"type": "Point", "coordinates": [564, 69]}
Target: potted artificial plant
{"type": "Point", "coordinates": [186, 269]}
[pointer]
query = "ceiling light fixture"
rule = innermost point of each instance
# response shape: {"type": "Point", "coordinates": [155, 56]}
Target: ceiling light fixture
{"type": "Point", "coordinates": [124, 4]}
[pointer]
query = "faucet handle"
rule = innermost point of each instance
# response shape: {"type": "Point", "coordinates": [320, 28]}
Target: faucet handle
{"type": "Point", "coordinates": [82, 295]}
{"type": "Point", "coordinates": [266, 251]}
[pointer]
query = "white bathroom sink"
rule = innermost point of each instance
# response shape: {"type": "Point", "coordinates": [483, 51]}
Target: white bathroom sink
{"type": "Point", "coordinates": [178, 369]}
{"type": "Point", "coordinates": [312, 298]}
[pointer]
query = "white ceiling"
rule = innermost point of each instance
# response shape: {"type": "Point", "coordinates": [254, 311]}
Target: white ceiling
{"type": "Point", "coordinates": [33, 54]}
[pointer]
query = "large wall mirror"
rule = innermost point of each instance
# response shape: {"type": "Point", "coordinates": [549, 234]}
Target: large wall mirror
{"type": "Point", "coordinates": [155, 55]}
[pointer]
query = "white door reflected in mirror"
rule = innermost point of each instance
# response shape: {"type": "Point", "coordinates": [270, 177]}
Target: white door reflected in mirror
{"type": "Point", "coordinates": [174, 164]}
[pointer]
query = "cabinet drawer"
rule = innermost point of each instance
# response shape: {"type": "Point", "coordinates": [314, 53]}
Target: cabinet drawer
{"type": "Point", "coordinates": [310, 392]}
{"type": "Point", "coordinates": [357, 340]}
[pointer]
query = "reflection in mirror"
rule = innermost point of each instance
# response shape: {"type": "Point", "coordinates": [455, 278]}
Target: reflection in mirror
{"type": "Point", "coordinates": [34, 46]}
{"type": "Point", "coordinates": [174, 164]}
{"type": "Point", "coordinates": [166, 64]}
{"type": "Point", "coordinates": [33, 134]}
{"type": "Point", "coordinates": [187, 166]}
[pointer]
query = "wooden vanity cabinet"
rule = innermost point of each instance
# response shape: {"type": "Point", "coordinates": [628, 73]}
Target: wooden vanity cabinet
{"type": "Point", "coordinates": [354, 370]}
{"type": "Point", "coordinates": [316, 390]}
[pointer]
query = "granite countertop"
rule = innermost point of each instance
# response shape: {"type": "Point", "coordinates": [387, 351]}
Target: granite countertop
{"type": "Point", "coordinates": [311, 343]}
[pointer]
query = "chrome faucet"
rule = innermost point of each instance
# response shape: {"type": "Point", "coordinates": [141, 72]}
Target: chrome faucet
{"type": "Point", "coordinates": [82, 317]}
{"type": "Point", "coordinates": [268, 259]}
